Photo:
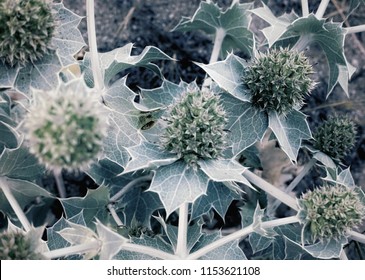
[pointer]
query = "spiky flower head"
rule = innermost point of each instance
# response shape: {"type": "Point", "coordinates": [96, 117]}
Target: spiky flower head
{"type": "Point", "coordinates": [16, 245]}
{"type": "Point", "coordinates": [65, 127]}
{"type": "Point", "coordinates": [195, 127]}
{"type": "Point", "coordinates": [335, 137]}
{"type": "Point", "coordinates": [26, 30]}
{"type": "Point", "coordinates": [279, 80]}
{"type": "Point", "coordinates": [329, 211]}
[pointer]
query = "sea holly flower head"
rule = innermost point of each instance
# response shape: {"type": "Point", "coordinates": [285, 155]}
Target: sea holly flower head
{"type": "Point", "coordinates": [26, 30]}
{"type": "Point", "coordinates": [65, 127]}
{"type": "Point", "coordinates": [335, 137]}
{"type": "Point", "coordinates": [329, 211]}
{"type": "Point", "coordinates": [279, 80]}
{"type": "Point", "coordinates": [195, 127]}
{"type": "Point", "coordinates": [16, 245]}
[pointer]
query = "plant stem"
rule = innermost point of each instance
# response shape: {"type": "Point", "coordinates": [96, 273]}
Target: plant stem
{"type": "Point", "coordinates": [307, 167]}
{"type": "Point", "coordinates": [219, 37]}
{"type": "Point", "coordinates": [270, 189]}
{"type": "Point", "coordinates": [302, 42]}
{"type": "Point", "coordinates": [91, 33]}
{"type": "Point", "coordinates": [181, 248]}
{"type": "Point", "coordinates": [305, 8]}
{"type": "Point", "coordinates": [356, 236]}
{"type": "Point", "coordinates": [59, 183]}
{"type": "Point", "coordinates": [149, 251]}
{"type": "Point", "coordinates": [14, 204]}
{"type": "Point", "coordinates": [343, 255]}
{"type": "Point", "coordinates": [355, 29]}
{"type": "Point", "coordinates": [73, 250]}
{"type": "Point", "coordinates": [115, 216]}
{"type": "Point", "coordinates": [240, 234]}
{"type": "Point", "coordinates": [129, 186]}
{"type": "Point", "coordinates": [322, 8]}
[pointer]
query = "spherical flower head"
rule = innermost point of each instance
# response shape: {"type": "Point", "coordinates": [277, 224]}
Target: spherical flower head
{"type": "Point", "coordinates": [65, 128]}
{"type": "Point", "coordinates": [279, 80]}
{"type": "Point", "coordinates": [336, 137]}
{"type": "Point", "coordinates": [26, 30]}
{"type": "Point", "coordinates": [15, 245]}
{"type": "Point", "coordinates": [195, 127]}
{"type": "Point", "coordinates": [328, 212]}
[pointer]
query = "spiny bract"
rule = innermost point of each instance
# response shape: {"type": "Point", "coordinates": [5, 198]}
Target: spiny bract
{"type": "Point", "coordinates": [26, 30]}
{"type": "Point", "coordinates": [335, 137]}
{"type": "Point", "coordinates": [195, 127]}
{"type": "Point", "coordinates": [65, 127]}
{"type": "Point", "coordinates": [279, 80]}
{"type": "Point", "coordinates": [329, 211]}
{"type": "Point", "coordinates": [15, 245]}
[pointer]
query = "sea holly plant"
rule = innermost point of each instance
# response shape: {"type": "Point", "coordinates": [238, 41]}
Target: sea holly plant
{"type": "Point", "coordinates": [168, 163]}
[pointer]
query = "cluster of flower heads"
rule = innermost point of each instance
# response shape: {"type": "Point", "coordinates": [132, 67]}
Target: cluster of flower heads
{"type": "Point", "coordinates": [329, 211]}
{"type": "Point", "coordinates": [65, 127]}
{"type": "Point", "coordinates": [279, 80]}
{"type": "Point", "coordinates": [336, 137]}
{"type": "Point", "coordinates": [26, 30]}
{"type": "Point", "coordinates": [195, 127]}
{"type": "Point", "coordinates": [15, 245]}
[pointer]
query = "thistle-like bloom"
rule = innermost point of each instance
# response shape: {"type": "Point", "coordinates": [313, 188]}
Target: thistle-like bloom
{"type": "Point", "coordinates": [335, 137]}
{"type": "Point", "coordinates": [15, 245]}
{"type": "Point", "coordinates": [65, 127]}
{"type": "Point", "coordinates": [279, 80]}
{"type": "Point", "coordinates": [195, 127]}
{"type": "Point", "coordinates": [328, 212]}
{"type": "Point", "coordinates": [26, 30]}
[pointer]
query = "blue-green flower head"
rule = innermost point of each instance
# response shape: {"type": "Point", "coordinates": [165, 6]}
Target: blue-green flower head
{"type": "Point", "coordinates": [336, 137]}
{"type": "Point", "coordinates": [329, 211]}
{"type": "Point", "coordinates": [279, 80]}
{"type": "Point", "coordinates": [26, 30]}
{"type": "Point", "coordinates": [65, 127]}
{"type": "Point", "coordinates": [196, 127]}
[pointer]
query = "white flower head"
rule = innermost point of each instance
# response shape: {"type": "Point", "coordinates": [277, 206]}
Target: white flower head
{"type": "Point", "coordinates": [65, 127]}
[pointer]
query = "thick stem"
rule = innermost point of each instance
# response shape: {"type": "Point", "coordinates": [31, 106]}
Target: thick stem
{"type": "Point", "coordinates": [91, 33]}
{"type": "Point", "coordinates": [181, 248]}
{"type": "Point", "coordinates": [59, 183]}
{"type": "Point", "coordinates": [14, 204]}
{"type": "Point", "coordinates": [240, 234]}
{"type": "Point", "coordinates": [356, 236]}
{"type": "Point", "coordinates": [219, 37]}
{"type": "Point", "coordinates": [73, 250]}
{"type": "Point", "coordinates": [302, 43]}
{"type": "Point", "coordinates": [270, 189]}
{"type": "Point", "coordinates": [115, 216]}
{"type": "Point", "coordinates": [305, 8]}
{"type": "Point", "coordinates": [322, 8]}
{"type": "Point", "coordinates": [355, 29]}
{"type": "Point", "coordinates": [149, 251]}
{"type": "Point", "coordinates": [295, 182]}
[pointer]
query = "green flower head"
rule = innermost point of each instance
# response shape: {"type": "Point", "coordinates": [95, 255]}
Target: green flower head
{"type": "Point", "coordinates": [328, 212]}
{"type": "Point", "coordinates": [15, 245]}
{"type": "Point", "coordinates": [335, 137]}
{"type": "Point", "coordinates": [195, 127]}
{"type": "Point", "coordinates": [65, 127]}
{"type": "Point", "coordinates": [279, 80]}
{"type": "Point", "coordinates": [26, 30]}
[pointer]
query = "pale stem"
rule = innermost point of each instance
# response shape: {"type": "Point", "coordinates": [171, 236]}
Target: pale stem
{"type": "Point", "coordinates": [355, 29]}
{"type": "Point", "coordinates": [91, 33]}
{"type": "Point", "coordinates": [356, 236]}
{"type": "Point", "coordinates": [59, 183]}
{"type": "Point", "coordinates": [343, 255]}
{"type": "Point", "coordinates": [73, 250]}
{"type": "Point", "coordinates": [219, 37]}
{"type": "Point", "coordinates": [302, 42]}
{"type": "Point", "coordinates": [181, 248]}
{"type": "Point", "coordinates": [149, 251]}
{"type": "Point", "coordinates": [240, 234]}
{"type": "Point", "coordinates": [307, 167]}
{"type": "Point", "coordinates": [270, 189]}
{"type": "Point", "coordinates": [115, 216]}
{"type": "Point", "coordinates": [129, 186]}
{"type": "Point", "coordinates": [322, 8]}
{"type": "Point", "coordinates": [305, 8]}
{"type": "Point", "coordinates": [14, 204]}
